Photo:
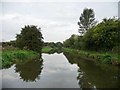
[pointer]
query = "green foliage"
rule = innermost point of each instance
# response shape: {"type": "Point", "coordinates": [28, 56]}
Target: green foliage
{"type": "Point", "coordinates": [74, 41]}
{"type": "Point", "coordinates": [104, 36]}
{"type": "Point", "coordinates": [0, 55]}
{"type": "Point", "coordinates": [116, 49]}
{"type": "Point", "coordinates": [9, 57]}
{"type": "Point", "coordinates": [87, 20]}
{"type": "Point", "coordinates": [10, 43]}
{"type": "Point", "coordinates": [53, 45]}
{"type": "Point", "coordinates": [30, 38]}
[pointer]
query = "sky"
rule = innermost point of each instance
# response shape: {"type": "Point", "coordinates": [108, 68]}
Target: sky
{"type": "Point", "coordinates": [57, 19]}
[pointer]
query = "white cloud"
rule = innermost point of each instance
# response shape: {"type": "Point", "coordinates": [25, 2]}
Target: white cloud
{"type": "Point", "coordinates": [57, 20]}
{"type": "Point", "coordinates": [52, 30]}
{"type": "Point", "coordinates": [9, 16]}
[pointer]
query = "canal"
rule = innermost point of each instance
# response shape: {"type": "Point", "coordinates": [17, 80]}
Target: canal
{"type": "Point", "coordinates": [60, 71]}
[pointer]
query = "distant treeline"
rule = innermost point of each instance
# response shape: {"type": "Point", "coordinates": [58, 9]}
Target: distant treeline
{"type": "Point", "coordinates": [50, 44]}
{"type": "Point", "coordinates": [9, 43]}
{"type": "Point", "coordinates": [53, 45]}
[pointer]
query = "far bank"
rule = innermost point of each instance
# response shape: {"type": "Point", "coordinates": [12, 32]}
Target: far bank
{"type": "Point", "coordinates": [100, 57]}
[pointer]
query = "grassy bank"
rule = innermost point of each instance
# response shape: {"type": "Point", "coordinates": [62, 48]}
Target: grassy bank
{"type": "Point", "coordinates": [51, 50]}
{"type": "Point", "coordinates": [101, 57]}
{"type": "Point", "coordinates": [10, 56]}
{"type": "Point", "coordinates": [47, 49]}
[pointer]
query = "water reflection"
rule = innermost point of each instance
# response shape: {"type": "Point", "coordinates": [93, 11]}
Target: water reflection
{"type": "Point", "coordinates": [91, 75]}
{"type": "Point", "coordinates": [57, 73]}
{"type": "Point", "coordinates": [60, 72]}
{"type": "Point", "coordinates": [30, 70]}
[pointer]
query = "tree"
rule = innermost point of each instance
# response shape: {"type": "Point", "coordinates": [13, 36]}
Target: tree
{"type": "Point", "coordinates": [30, 38]}
{"type": "Point", "coordinates": [87, 20]}
{"type": "Point", "coordinates": [104, 36]}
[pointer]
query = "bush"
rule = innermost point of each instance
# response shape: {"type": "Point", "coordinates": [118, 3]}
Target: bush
{"type": "Point", "coordinates": [104, 36]}
{"type": "Point", "coordinates": [30, 38]}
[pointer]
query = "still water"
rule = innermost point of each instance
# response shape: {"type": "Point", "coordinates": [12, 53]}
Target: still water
{"type": "Point", "coordinates": [60, 71]}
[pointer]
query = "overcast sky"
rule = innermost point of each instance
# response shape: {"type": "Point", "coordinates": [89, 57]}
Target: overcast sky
{"type": "Point", "coordinates": [58, 20]}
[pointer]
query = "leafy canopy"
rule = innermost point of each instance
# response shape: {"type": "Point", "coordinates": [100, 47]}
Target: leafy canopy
{"type": "Point", "coordinates": [104, 36]}
{"type": "Point", "coordinates": [87, 20]}
{"type": "Point", "coordinates": [30, 38]}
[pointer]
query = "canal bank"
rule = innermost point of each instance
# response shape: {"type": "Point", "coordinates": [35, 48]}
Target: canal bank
{"type": "Point", "coordinates": [100, 57]}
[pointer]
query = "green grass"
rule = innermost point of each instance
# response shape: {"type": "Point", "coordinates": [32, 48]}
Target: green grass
{"type": "Point", "coordinates": [101, 57]}
{"type": "Point", "coordinates": [0, 59]}
{"type": "Point", "coordinates": [10, 56]}
{"type": "Point", "coordinates": [47, 49]}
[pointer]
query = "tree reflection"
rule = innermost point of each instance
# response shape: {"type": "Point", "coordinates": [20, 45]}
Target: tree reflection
{"type": "Point", "coordinates": [92, 75]}
{"type": "Point", "coordinates": [30, 70]}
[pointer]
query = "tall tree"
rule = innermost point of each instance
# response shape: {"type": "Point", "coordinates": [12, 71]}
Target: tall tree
{"type": "Point", "coordinates": [87, 20]}
{"type": "Point", "coordinates": [30, 38]}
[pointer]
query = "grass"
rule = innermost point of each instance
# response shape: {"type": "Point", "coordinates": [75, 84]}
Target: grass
{"type": "Point", "coordinates": [0, 59]}
{"type": "Point", "coordinates": [10, 56]}
{"type": "Point", "coordinates": [101, 57]}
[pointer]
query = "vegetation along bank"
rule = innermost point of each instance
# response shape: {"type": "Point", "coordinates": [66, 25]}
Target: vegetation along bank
{"type": "Point", "coordinates": [12, 56]}
{"type": "Point", "coordinates": [99, 41]}
{"type": "Point", "coordinates": [100, 57]}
